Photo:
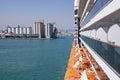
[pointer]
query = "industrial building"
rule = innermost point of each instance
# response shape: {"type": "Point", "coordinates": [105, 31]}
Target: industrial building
{"type": "Point", "coordinates": [39, 28]}
{"type": "Point", "coordinates": [49, 30]}
{"type": "Point", "coordinates": [18, 30]}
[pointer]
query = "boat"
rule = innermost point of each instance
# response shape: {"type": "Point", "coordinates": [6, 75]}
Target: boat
{"type": "Point", "coordinates": [95, 52]}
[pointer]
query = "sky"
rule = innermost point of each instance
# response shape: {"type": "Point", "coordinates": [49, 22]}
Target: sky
{"type": "Point", "coordinates": [26, 12]}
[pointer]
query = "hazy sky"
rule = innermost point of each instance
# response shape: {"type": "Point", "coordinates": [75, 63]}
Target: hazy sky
{"type": "Point", "coordinates": [26, 12]}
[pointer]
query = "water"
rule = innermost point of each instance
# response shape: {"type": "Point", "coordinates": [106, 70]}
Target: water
{"type": "Point", "coordinates": [110, 54]}
{"type": "Point", "coordinates": [34, 59]}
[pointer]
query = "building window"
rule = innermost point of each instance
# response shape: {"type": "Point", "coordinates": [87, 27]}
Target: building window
{"type": "Point", "coordinates": [76, 11]}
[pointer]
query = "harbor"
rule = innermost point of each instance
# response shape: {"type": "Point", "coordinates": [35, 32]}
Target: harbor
{"type": "Point", "coordinates": [38, 31]}
{"type": "Point", "coordinates": [51, 50]}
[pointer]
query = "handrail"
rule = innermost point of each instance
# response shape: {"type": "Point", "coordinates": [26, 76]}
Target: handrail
{"type": "Point", "coordinates": [103, 42]}
{"type": "Point", "coordinates": [91, 63]}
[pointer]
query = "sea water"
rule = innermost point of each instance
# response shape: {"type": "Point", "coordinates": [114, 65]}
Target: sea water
{"type": "Point", "coordinates": [34, 59]}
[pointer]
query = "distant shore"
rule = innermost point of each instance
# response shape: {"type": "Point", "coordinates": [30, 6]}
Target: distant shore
{"type": "Point", "coordinates": [27, 38]}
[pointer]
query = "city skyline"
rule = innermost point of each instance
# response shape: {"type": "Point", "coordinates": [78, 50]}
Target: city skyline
{"type": "Point", "coordinates": [25, 13]}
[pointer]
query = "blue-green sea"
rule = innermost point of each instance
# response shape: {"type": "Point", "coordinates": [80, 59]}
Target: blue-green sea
{"type": "Point", "coordinates": [34, 59]}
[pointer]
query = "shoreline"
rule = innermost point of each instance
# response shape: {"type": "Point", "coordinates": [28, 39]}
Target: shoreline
{"type": "Point", "coordinates": [27, 38]}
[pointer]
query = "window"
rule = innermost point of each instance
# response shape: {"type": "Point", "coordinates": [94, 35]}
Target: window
{"type": "Point", "coordinates": [76, 11]}
{"type": "Point", "coordinates": [97, 6]}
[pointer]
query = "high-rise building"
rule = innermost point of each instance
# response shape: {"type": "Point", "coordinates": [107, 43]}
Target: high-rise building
{"type": "Point", "coordinates": [39, 28]}
{"type": "Point", "coordinates": [49, 30]}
